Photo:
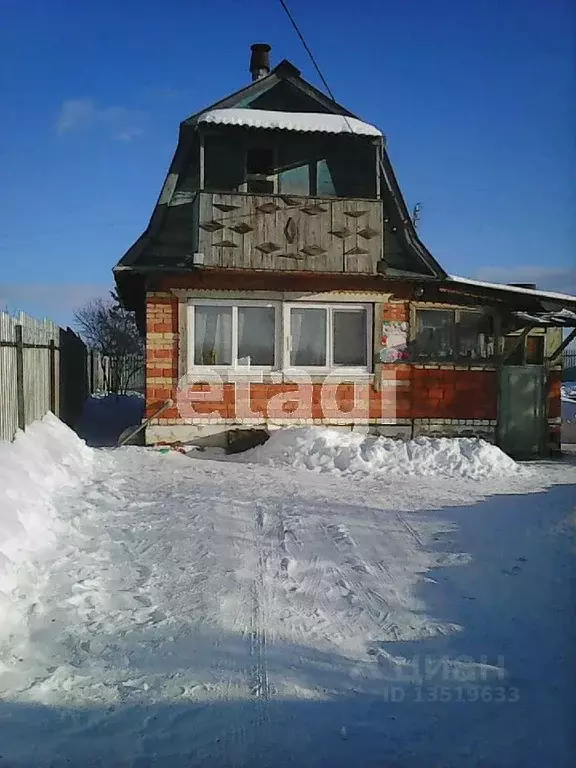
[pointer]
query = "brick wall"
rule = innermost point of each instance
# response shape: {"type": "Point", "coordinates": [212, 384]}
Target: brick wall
{"type": "Point", "coordinates": [439, 392]}
{"type": "Point", "coordinates": [161, 351]}
{"type": "Point", "coordinates": [401, 393]}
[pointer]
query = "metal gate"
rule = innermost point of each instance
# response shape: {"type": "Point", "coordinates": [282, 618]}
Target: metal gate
{"type": "Point", "coordinates": [522, 414]}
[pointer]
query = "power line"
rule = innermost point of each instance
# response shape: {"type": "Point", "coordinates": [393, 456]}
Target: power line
{"type": "Point", "coordinates": [307, 47]}
{"type": "Point", "coordinates": [315, 63]}
{"type": "Point", "coordinates": [330, 93]}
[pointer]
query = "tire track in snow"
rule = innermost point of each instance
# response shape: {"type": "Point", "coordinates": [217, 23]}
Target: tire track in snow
{"type": "Point", "coordinates": [259, 684]}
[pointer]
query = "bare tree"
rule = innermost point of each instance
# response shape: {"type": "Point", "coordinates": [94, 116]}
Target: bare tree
{"type": "Point", "coordinates": [110, 329]}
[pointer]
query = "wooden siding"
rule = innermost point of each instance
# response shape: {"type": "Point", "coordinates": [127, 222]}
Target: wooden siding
{"type": "Point", "coordinates": [287, 233]}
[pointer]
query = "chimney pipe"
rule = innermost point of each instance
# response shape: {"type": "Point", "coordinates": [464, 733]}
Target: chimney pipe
{"type": "Point", "coordinates": [259, 60]}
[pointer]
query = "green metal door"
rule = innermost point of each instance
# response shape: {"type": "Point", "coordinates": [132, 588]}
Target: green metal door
{"type": "Point", "coordinates": [522, 410]}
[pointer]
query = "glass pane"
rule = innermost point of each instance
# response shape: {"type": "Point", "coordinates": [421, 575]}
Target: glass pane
{"type": "Point", "coordinates": [260, 160]}
{"type": "Point", "coordinates": [516, 357]}
{"type": "Point", "coordinates": [474, 336]}
{"type": "Point", "coordinates": [308, 335]}
{"type": "Point", "coordinates": [260, 186]}
{"type": "Point", "coordinates": [434, 334]}
{"type": "Point", "coordinates": [324, 181]}
{"type": "Point", "coordinates": [295, 181]}
{"type": "Point", "coordinates": [213, 335]}
{"type": "Point", "coordinates": [349, 328]}
{"type": "Point", "coordinates": [535, 350]}
{"type": "Point", "coordinates": [256, 335]}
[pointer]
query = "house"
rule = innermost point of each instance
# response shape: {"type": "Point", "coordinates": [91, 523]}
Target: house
{"type": "Point", "coordinates": [281, 281]}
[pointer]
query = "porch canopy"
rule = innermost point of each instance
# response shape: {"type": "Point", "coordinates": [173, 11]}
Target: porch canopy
{"type": "Point", "coordinates": [526, 308]}
{"type": "Point", "coordinates": [304, 122]}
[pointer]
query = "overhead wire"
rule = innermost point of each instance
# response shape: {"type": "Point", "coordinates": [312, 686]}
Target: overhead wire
{"type": "Point", "coordinates": [300, 34]}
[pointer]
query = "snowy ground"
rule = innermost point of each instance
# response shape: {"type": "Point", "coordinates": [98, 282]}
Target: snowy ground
{"type": "Point", "coordinates": [191, 611]}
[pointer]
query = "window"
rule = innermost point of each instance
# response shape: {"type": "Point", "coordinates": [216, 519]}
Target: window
{"type": "Point", "coordinates": [213, 336]}
{"type": "Point", "coordinates": [308, 337]}
{"type": "Point", "coordinates": [328, 336]}
{"type": "Point", "coordinates": [529, 352]}
{"type": "Point", "coordinates": [234, 333]}
{"type": "Point", "coordinates": [535, 350]}
{"type": "Point", "coordinates": [256, 335]}
{"type": "Point", "coordinates": [260, 171]}
{"type": "Point", "coordinates": [324, 181]}
{"type": "Point", "coordinates": [295, 180]}
{"type": "Point", "coordinates": [260, 161]}
{"type": "Point", "coordinates": [453, 334]}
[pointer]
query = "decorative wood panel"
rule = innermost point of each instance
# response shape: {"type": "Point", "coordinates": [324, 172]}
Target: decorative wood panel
{"type": "Point", "coordinates": [282, 232]}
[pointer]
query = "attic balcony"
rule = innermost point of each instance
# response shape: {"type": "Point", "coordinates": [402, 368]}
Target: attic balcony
{"type": "Point", "coordinates": [288, 233]}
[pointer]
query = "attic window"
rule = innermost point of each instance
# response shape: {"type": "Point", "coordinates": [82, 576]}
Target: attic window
{"type": "Point", "coordinates": [260, 170]}
{"type": "Point", "coordinates": [260, 161]}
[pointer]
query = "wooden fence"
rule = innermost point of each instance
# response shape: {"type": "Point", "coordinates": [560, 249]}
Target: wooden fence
{"type": "Point", "coordinates": [46, 368]}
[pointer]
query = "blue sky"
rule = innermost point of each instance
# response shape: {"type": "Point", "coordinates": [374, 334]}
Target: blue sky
{"type": "Point", "coordinates": [476, 100]}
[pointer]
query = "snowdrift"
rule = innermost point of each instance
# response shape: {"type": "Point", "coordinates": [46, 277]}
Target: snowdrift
{"type": "Point", "coordinates": [329, 450]}
{"type": "Point", "coordinates": [41, 462]}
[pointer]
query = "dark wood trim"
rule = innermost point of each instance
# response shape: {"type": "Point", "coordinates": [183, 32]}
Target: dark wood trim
{"type": "Point", "coordinates": [520, 340]}
{"type": "Point", "coordinates": [24, 345]}
{"type": "Point", "coordinates": [20, 377]}
{"type": "Point", "coordinates": [302, 282]}
{"type": "Point", "coordinates": [53, 371]}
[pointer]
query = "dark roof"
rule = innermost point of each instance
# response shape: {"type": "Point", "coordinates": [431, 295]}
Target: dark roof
{"type": "Point", "coordinates": [284, 71]}
{"type": "Point", "coordinates": [140, 253]}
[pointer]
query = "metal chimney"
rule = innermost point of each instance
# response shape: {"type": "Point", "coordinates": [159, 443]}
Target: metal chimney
{"type": "Point", "coordinates": [259, 60]}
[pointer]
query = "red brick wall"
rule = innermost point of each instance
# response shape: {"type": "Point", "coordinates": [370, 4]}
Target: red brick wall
{"type": "Point", "coordinates": [454, 394]}
{"type": "Point", "coordinates": [161, 351]}
{"type": "Point", "coordinates": [401, 391]}
{"type": "Point", "coordinates": [439, 393]}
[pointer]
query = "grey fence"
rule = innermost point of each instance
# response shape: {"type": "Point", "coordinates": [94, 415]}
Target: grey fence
{"type": "Point", "coordinates": [122, 375]}
{"type": "Point", "coordinates": [569, 362]}
{"type": "Point", "coordinates": [47, 368]}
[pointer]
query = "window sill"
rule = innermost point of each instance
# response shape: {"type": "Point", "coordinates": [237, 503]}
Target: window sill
{"type": "Point", "coordinates": [458, 365]}
{"type": "Point", "coordinates": [268, 376]}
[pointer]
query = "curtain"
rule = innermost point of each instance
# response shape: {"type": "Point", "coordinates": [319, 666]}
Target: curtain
{"type": "Point", "coordinates": [349, 345]}
{"type": "Point", "coordinates": [256, 335]}
{"type": "Point", "coordinates": [213, 335]}
{"type": "Point", "coordinates": [308, 334]}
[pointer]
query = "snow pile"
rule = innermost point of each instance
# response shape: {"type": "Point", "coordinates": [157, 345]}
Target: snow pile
{"type": "Point", "coordinates": [329, 450]}
{"type": "Point", "coordinates": [41, 462]}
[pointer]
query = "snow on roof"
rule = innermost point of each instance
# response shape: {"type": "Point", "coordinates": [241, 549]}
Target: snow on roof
{"type": "Point", "coordinates": [307, 122]}
{"type": "Point", "coordinates": [514, 289]}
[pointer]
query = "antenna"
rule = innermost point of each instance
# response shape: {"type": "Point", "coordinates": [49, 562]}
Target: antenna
{"type": "Point", "coordinates": [416, 215]}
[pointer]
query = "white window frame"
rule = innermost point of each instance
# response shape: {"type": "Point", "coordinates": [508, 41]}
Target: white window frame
{"type": "Point", "coordinates": [329, 307]}
{"type": "Point", "coordinates": [235, 304]}
{"type": "Point", "coordinates": [282, 340]}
